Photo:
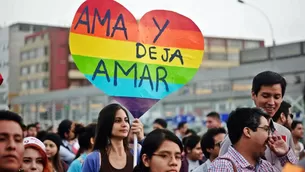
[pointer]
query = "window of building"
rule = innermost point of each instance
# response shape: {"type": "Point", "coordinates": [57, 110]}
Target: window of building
{"type": "Point", "coordinates": [206, 43]}
{"type": "Point", "coordinates": [36, 83]}
{"type": "Point", "coordinates": [251, 44]}
{"type": "Point", "coordinates": [33, 53]}
{"type": "Point", "coordinates": [45, 67]}
{"type": "Point", "coordinates": [217, 42]}
{"type": "Point", "coordinates": [42, 36]}
{"type": "Point", "coordinates": [72, 66]}
{"type": "Point", "coordinates": [33, 69]}
{"type": "Point", "coordinates": [40, 83]}
{"type": "Point", "coordinates": [46, 51]}
{"type": "Point", "coordinates": [24, 56]}
{"type": "Point", "coordinates": [37, 28]}
{"type": "Point", "coordinates": [24, 71]}
{"type": "Point", "coordinates": [32, 83]}
{"type": "Point", "coordinates": [233, 56]}
{"type": "Point", "coordinates": [24, 85]}
{"type": "Point", "coordinates": [24, 27]}
{"type": "Point", "coordinates": [235, 44]}
{"type": "Point", "coordinates": [45, 83]}
{"type": "Point", "coordinates": [217, 56]}
{"type": "Point", "coordinates": [40, 52]}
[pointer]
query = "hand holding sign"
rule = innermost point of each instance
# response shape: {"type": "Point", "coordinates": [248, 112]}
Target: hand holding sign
{"type": "Point", "coordinates": [136, 63]}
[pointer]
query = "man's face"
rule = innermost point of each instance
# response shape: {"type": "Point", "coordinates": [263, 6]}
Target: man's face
{"type": "Point", "coordinates": [269, 98]}
{"type": "Point", "coordinates": [260, 137]}
{"type": "Point", "coordinates": [11, 146]}
{"type": "Point", "coordinates": [298, 131]}
{"type": "Point", "coordinates": [32, 132]}
{"type": "Point", "coordinates": [217, 140]}
{"type": "Point", "coordinates": [213, 122]}
{"type": "Point", "coordinates": [289, 120]}
{"type": "Point", "coordinates": [183, 129]}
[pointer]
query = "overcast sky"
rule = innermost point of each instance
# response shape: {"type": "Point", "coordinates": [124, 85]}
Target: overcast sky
{"type": "Point", "coordinates": [214, 17]}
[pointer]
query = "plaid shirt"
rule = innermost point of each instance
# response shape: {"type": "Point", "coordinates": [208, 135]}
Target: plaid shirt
{"type": "Point", "coordinates": [242, 165]}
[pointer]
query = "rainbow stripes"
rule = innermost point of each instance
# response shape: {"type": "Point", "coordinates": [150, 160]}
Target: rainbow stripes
{"type": "Point", "coordinates": [107, 42]}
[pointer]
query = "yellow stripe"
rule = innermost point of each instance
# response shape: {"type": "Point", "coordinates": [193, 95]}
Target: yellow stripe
{"type": "Point", "coordinates": [126, 50]}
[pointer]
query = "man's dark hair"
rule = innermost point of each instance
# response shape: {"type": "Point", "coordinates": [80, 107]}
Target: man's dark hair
{"type": "Point", "coordinates": [207, 140]}
{"type": "Point", "coordinates": [31, 126]}
{"type": "Point", "coordinates": [161, 122]}
{"type": "Point", "coordinates": [190, 142]}
{"type": "Point", "coordinates": [64, 127]}
{"type": "Point", "coordinates": [213, 115]}
{"type": "Point", "coordinates": [11, 116]}
{"type": "Point", "coordinates": [284, 108]}
{"type": "Point", "coordinates": [268, 78]}
{"type": "Point", "coordinates": [241, 118]}
{"type": "Point", "coordinates": [181, 124]}
{"type": "Point", "coordinates": [295, 124]}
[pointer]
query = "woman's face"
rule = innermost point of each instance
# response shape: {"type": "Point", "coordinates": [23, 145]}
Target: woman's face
{"type": "Point", "coordinates": [121, 126]}
{"type": "Point", "coordinates": [32, 161]}
{"type": "Point", "coordinates": [51, 148]}
{"type": "Point", "coordinates": [167, 158]}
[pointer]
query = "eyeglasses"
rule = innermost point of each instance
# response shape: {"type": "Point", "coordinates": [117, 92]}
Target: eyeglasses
{"type": "Point", "coordinates": [218, 144]}
{"type": "Point", "coordinates": [291, 116]}
{"type": "Point", "coordinates": [168, 157]}
{"type": "Point", "coordinates": [266, 128]}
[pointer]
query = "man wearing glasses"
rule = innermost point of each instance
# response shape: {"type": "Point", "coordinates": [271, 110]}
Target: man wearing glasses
{"type": "Point", "coordinates": [250, 134]}
{"type": "Point", "coordinates": [210, 145]}
{"type": "Point", "coordinates": [284, 116]}
{"type": "Point", "coordinates": [268, 90]}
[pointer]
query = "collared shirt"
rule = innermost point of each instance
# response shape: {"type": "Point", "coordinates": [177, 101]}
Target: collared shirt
{"type": "Point", "coordinates": [269, 155]}
{"type": "Point", "coordinates": [203, 167]}
{"type": "Point", "coordinates": [242, 165]}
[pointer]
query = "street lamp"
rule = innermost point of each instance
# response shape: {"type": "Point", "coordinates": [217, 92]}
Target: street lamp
{"type": "Point", "coordinates": [264, 14]}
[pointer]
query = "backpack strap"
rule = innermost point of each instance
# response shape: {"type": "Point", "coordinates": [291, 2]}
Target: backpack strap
{"type": "Point", "coordinates": [233, 164]}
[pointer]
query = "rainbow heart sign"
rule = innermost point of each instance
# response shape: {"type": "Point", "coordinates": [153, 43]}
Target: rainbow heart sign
{"type": "Point", "coordinates": [136, 62]}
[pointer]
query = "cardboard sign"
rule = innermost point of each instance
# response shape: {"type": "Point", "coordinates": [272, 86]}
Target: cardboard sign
{"type": "Point", "coordinates": [138, 63]}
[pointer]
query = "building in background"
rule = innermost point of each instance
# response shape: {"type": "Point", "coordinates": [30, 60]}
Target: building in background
{"type": "Point", "coordinates": [11, 40]}
{"type": "Point", "coordinates": [46, 63]}
{"type": "Point", "coordinates": [220, 52]}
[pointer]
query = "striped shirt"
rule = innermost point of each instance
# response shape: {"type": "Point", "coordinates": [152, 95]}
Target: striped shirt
{"type": "Point", "coordinates": [242, 165]}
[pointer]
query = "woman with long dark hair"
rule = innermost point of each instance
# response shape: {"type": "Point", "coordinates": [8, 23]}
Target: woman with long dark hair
{"type": "Point", "coordinates": [52, 143]}
{"type": "Point", "coordinates": [111, 152]}
{"type": "Point", "coordinates": [86, 140]}
{"type": "Point", "coordinates": [161, 152]}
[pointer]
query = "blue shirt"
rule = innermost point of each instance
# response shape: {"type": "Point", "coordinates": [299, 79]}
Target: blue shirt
{"type": "Point", "coordinates": [76, 165]}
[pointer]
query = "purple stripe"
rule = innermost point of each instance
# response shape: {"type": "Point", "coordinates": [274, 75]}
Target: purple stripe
{"type": "Point", "coordinates": [136, 106]}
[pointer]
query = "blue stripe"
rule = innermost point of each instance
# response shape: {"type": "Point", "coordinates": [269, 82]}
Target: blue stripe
{"type": "Point", "coordinates": [125, 87]}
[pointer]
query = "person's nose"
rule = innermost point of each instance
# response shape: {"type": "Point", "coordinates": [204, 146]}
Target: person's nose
{"type": "Point", "coordinates": [173, 161]}
{"type": "Point", "coordinates": [271, 101]}
{"type": "Point", "coordinates": [33, 166]}
{"type": "Point", "coordinates": [11, 144]}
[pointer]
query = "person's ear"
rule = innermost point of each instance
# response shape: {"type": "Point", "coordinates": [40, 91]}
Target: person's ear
{"type": "Point", "coordinates": [145, 160]}
{"type": "Point", "coordinates": [247, 132]}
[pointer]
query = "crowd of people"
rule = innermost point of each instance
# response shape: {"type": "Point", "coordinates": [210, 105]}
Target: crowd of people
{"type": "Point", "coordinates": [259, 139]}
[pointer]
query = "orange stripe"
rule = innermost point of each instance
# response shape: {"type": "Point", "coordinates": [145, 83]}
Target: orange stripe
{"type": "Point", "coordinates": [173, 38]}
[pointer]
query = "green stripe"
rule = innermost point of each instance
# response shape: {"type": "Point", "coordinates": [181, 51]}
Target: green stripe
{"type": "Point", "coordinates": [175, 75]}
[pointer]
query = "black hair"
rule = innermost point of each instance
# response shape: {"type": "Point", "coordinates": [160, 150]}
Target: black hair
{"type": "Point", "coordinates": [84, 138]}
{"type": "Point", "coordinates": [64, 127]}
{"type": "Point", "coordinates": [181, 124]}
{"type": "Point", "coordinates": [79, 128]}
{"type": "Point", "coordinates": [152, 143]}
{"type": "Point", "coordinates": [207, 140]}
{"type": "Point", "coordinates": [295, 124]}
{"type": "Point", "coordinates": [41, 135]}
{"type": "Point", "coordinates": [161, 122]}
{"type": "Point", "coordinates": [241, 118]}
{"type": "Point", "coordinates": [284, 108]}
{"type": "Point", "coordinates": [191, 142]}
{"type": "Point", "coordinates": [268, 78]}
{"type": "Point", "coordinates": [104, 127]}
{"type": "Point", "coordinates": [31, 126]}
{"type": "Point", "coordinates": [213, 115]}
{"type": "Point", "coordinates": [11, 116]}
{"type": "Point", "coordinates": [190, 131]}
